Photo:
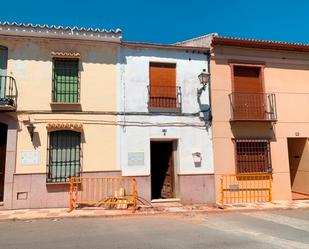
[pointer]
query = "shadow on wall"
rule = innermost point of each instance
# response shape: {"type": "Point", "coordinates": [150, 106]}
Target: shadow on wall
{"type": "Point", "coordinates": [265, 130]}
{"type": "Point", "coordinates": [36, 140]}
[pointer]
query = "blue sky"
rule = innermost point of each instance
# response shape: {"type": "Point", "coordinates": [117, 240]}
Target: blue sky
{"type": "Point", "coordinates": [169, 21]}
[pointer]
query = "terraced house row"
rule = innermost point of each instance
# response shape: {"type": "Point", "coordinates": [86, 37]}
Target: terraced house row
{"type": "Point", "coordinates": [207, 120]}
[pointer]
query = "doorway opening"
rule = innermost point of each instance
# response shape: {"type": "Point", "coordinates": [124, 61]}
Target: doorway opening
{"type": "Point", "coordinates": [3, 139]}
{"type": "Point", "coordinates": [162, 169]}
{"type": "Point", "coordinates": [299, 167]}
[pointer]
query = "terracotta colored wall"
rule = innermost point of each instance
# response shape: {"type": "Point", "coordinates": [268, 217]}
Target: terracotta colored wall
{"type": "Point", "coordinates": [285, 74]}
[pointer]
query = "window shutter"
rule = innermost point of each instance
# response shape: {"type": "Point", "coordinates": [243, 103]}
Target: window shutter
{"type": "Point", "coordinates": [66, 81]}
{"type": "Point", "coordinates": [3, 70]}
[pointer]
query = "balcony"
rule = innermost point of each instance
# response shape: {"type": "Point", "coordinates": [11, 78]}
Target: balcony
{"type": "Point", "coordinates": [8, 93]}
{"type": "Point", "coordinates": [253, 107]}
{"type": "Point", "coordinates": [164, 98]}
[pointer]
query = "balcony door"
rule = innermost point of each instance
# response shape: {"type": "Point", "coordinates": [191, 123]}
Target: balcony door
{"type": "Point", "coordinates": [162, 85]}
{"type": "Point", "coordinates": [3, 69]}
{"type": "Point", "coordinates": [248, 99]}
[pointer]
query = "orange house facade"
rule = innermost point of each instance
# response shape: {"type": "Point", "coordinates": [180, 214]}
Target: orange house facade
{"type": "Point", "coordinates": [260, 97]}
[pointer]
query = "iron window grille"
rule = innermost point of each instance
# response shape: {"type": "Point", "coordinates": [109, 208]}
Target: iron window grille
{"type": "Point", "coordinates": [66, 81]}
{"type": "Point", "coordinates": [64, 152]}
{"type": "Point", "coordinates": [252, 156]}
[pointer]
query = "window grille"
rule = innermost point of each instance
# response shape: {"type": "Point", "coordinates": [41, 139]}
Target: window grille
{"type": "Point", "coordinates": [66, 81]}
{"type": "Point", "coordinates": [253, 156]}
{"type": "Point", "coordinates": [64, 152]}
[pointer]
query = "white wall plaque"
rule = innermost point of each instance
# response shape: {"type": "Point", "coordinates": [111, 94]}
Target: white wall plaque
{"type": "Point", "coordinates": [136, 158]}
{"type": "Point", "coordinates": [30, 157]}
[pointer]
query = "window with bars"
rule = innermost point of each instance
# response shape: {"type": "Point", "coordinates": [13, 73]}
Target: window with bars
{"type": "Point", "coordinates": [64, 153]}
{"type": "Point", "coordinates": [66, 81]}
{"type": "Point", "coordinates": [252, 156]}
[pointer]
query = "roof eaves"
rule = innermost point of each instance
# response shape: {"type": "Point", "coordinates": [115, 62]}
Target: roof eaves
{"type": "Point", "coordinates": [196, 39]}
{"type": "Point", "coordinates": [53, 30]}
{"type": "Point", "coordinates": [263, 44]}
{"type": "Point", "coordinates": [166, 46]}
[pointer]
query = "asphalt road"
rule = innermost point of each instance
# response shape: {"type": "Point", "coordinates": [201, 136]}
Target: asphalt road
{"type": "Point", "coordinates": [271, 229]}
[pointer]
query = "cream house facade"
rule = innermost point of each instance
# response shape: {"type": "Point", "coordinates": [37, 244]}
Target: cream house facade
{"type": "Point", "coordinates": [63, 110]}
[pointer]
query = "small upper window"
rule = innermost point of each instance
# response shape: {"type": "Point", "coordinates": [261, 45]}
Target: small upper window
{"type": "Point", "coordinates": [66, 81]}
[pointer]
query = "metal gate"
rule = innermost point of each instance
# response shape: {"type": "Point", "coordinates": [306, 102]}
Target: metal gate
{"type": "Point", "coordinates": [244, 188]}
{"type": "Point", "coordinates": [107, 192]}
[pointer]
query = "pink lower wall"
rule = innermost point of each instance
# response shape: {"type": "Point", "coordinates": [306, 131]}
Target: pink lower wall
{"type": "Point", "coordinates": [197, 189]}
{"type": "Point", "coordinates": [33, 191]}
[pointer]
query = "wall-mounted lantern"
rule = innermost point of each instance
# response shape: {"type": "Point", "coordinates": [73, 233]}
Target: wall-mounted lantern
{"type": "Point", "coordinates": [204, 80]}
{"type": "Point", "coordinates": [205, 109]}
{"type": "Point", "coordinates": [31, 128]}
{"type": "Point", "coordinates": [197, 159]}
{"type": "Point", "coordinates": [204, 77]}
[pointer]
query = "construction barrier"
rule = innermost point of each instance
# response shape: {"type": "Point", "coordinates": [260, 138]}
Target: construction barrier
{"type": "Point", "coordinates": [244, 188]}
{"type": "Point", "coordinates": [107, 192]}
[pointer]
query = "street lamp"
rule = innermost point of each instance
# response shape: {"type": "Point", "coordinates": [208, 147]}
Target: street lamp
{"type": "Point", "coordinates": [204, 78]}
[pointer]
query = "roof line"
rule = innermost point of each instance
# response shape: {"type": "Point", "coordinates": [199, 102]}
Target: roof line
{"type": "Point", "coordinates": [158, 45]}
{"type": "Point", "coordinates": [37, 30]}
{"type": "Point", "coordinates": [67, 28]}
{"type": "Point", "coordinates": [197, 38]}
{"type": "Point", "coordinates": [263, 44]}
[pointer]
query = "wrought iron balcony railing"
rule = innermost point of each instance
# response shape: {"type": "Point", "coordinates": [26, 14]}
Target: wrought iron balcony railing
{"type": "Point", "coordinates": [253, 106]}
{"type": "Point", "coordinates": [164, 98]}
{"type": "Point", "coordinates": [8, 93]}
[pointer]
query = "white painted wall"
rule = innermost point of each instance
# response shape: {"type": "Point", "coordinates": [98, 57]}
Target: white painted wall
{"type": "Point", "coordinates": [139, 130]}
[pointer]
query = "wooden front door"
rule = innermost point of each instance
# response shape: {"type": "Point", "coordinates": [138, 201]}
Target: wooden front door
{"type": "Point", "coordinates": [3, 136]}
{"type": "Point", "coordinates": [248, 93]}
{"type": "Point", "coordinates": [162, 77]}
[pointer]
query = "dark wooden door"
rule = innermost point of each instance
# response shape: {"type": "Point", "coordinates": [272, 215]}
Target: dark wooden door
{"type": "Point", "coordinates": [162, 85]}
{"type": "Point", "coordinates": [248, 96]}
{"type": "Point", "coordinates": [3, 135]}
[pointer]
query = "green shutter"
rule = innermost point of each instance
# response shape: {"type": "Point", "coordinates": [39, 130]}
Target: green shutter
{"type": "Point", "coordinates": [66, 81]}
{"type": "Point", "coordinates": [3, 69]}
{"type": "Point", "coordinates": [64, 155]}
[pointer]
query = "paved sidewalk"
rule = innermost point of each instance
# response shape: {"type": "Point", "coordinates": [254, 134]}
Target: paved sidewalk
{"type": "Point", "coordinates": [59, 213]}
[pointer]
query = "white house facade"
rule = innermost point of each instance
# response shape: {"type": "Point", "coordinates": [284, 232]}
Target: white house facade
{"type": "Point", "coordinates": [165, 137]}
